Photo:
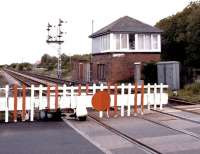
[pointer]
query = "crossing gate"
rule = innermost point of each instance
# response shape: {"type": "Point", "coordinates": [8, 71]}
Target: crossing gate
{"type": "Point", "coordinates": [28, 99]}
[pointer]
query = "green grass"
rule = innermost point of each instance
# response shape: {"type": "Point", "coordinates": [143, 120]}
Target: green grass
{"type": "Point", "coordinates": [190, 93]}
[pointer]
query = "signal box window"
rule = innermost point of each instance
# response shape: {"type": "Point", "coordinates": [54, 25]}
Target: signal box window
{"type": "Point", "coordinates": [132, 41]}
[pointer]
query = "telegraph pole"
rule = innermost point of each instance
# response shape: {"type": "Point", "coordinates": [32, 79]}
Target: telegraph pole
{"type": "Point", "coordinates": [56, 38]}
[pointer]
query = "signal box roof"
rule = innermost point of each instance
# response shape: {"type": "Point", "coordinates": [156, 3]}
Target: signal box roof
{"type": "Point", "coordinates": [126, 24]}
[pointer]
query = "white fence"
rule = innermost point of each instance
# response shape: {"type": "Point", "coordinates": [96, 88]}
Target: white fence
{"type": "Point", "coordinates": [68, 97]}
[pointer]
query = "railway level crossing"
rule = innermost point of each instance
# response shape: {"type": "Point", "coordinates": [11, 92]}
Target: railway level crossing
{"type": "Point", "coordinates": [126, 97]}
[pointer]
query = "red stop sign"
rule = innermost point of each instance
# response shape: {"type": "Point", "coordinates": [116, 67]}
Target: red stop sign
{"type": "Point", "coordinates": [101, 101]}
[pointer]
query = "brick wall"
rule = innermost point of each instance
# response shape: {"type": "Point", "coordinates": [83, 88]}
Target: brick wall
{"type": "Point", "coordinates": [120, 66]}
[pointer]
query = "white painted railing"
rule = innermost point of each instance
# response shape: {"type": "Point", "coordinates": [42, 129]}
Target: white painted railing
{"type": "Point", "coordinates": [69, 97]}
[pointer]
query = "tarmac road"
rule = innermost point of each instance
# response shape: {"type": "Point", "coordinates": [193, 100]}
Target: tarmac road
{"type": "Point", "coordinates": [43, 138]}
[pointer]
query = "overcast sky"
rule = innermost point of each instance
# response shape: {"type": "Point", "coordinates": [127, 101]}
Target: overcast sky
{"type": "Point", "coordinates": [23, 23]}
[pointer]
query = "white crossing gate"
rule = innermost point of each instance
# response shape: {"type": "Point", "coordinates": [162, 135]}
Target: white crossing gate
{"type": "Point", "coordinates": [63, 97]}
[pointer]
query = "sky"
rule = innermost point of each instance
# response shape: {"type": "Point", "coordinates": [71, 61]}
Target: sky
{"type": "Point", "coordinates": [23, 23]}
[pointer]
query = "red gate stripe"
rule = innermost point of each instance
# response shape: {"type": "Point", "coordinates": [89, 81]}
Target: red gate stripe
{"type": "Point", "coordinates": [48, 98]}
{"type": "Point", "coordinates": [79, 90]}
{"type": "Point", "coordinates": [87, 89]}
{"type": "Point", "coordinates": [15, 103]}
{"type": "Point", "coordinates": [135, 98]}
{"type": "Point", "coordinates": [56, 97]}
{"type": "Point", "coordinates": [115, 99]}
{"type": "Point", "coordinates": [23, 102]}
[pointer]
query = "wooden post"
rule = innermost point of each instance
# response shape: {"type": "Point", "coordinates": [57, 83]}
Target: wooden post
{"type": "Point", "coordinates": [64, 94]}
{"type": "Point", "coordinates": [108, 109]}
{"type": "Point", "coordinates": [135, 98]}
{"type": "Point", "coordinates": [87, 89]}
{"type": "Point", "coordinates": [56, 98]}
{"type": "Point", "coordinates": [23, 102]}
{"type": "Point", "coordinates": [79, 90]}
{"type": "Point", "coordinates": [15, 103]}
{"type": "Point", "coordinates": [142, 98]}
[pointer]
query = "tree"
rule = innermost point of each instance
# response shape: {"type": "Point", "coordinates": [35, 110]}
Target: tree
{"type": "Point", "coordinates": [24, 67]}
{"type": "Point", "coordinates": [45, 60]}
{"type": "Point", "coordinates": [181, 36]}
{"type": "Point", "coordinates": [13, 65]}
{"type": "Point", "coordinates": [50, 62]}
{"type": "Point", "coordinates": [65, 61]}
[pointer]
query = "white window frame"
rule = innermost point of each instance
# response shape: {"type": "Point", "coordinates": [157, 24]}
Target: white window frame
{"type": "Point", "coordinates": [145, 36]}
{"type": "Point", "coordinates": [116, 41]}
{"type": "Point", "coordinates": [127, 42]}
{"type": "Point", "coordinates": [152, 41]}
{"type": "Point", "coordinates": [110, 44]}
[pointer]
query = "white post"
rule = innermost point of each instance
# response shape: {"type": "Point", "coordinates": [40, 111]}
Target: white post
{"type": "Point", "coordinates": [122, 103]}
{"type": "Point", "coordinates": [129, 104]}
{"type": "Point", "coordinates": [148, 96]}
{"type": "Point", "coordinates": [94, 89]}
{"type": "Point", "coordinates": [64, 93]}
{"type": "Point", "coordinates": [72, 98]}
{"type": "Point", "coordinates": [101, 112]}
{"type": "Point", "coordinates": [6, 103]}
{"type": "Point", "coordinates": [155, 91]}
{"type": "Point", "coordinates": [40, 97]}
{"type": "Point", "coordinates": [32, 102]}
{"type": "Point", "coordinates": [161, 93]}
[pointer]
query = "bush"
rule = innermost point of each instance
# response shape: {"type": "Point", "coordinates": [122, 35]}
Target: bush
{"type": "Point", "coordinates": [194, 88]}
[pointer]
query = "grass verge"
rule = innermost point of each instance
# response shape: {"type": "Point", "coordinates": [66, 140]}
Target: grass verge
{"type": "Point", "coordinates": [190, 92]}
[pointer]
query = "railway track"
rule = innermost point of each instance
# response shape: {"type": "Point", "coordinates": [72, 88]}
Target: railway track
{"type": "Point", "coordinates": [52, 79]}
{"type": "Point", "coordinates": [191, 106]}
{"type": "Point", "coordinates": [156, 122]}
{"type": "Point", "coordinates": [186, 132]}
{"type": "Point", "coordinates": [140, 144]}
{"type": "Point", "coordinates": [176, 116]}
{"type": "Point", "coordinates": [37, 79]}
{"type": "Point", "coordinates": [176, 101]}
{"type": "Point", "coordinates": [134, 141]}
{"type": "Point", "coordinates": [21, 78]}
{"type": "Point", "coordinates": [28, 80]}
